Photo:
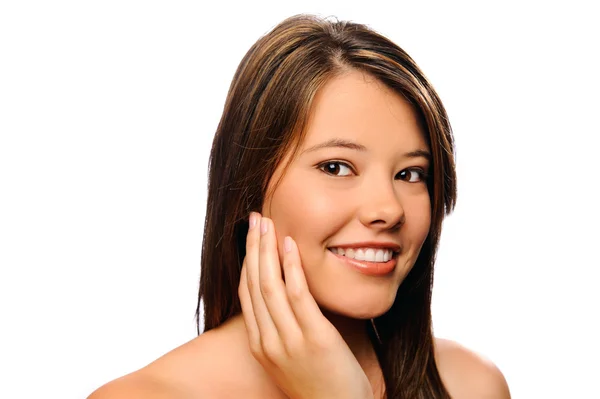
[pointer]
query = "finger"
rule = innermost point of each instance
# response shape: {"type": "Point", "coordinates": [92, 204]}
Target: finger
{"type": "Point", "coordinates": [247, 311]}
{"type": "Point", "coordinates": [265, 324]}
{"type": "Point", "coordinates": [303, 304]}
{"type": "Point", "coordinates": [272, 285]}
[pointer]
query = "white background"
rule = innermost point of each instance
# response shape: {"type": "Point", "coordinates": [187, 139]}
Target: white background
{"type": "Point", "coordinates": [107, 113]}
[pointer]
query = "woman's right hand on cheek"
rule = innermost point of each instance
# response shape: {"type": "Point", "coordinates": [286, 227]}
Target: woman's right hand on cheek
{"type": "Point", "coordinates": [297, 346]}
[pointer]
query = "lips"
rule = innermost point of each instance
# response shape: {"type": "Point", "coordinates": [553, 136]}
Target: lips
{"type": "Point", "coordinates": [378, 255]}
{"type": "Point", "coordinates": [366, 267]}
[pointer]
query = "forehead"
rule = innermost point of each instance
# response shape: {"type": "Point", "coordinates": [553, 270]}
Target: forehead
{"type": "Point", "coordinates": [356, 106]}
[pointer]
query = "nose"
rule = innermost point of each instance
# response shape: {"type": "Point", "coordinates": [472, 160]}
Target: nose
{"type": "Point", "coordinates": [381, 207]}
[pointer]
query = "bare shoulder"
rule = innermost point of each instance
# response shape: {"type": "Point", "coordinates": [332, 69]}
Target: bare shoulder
{"type": "Point", "coordinates": [214, 364]}
{"type": "Point", "coordinates": [138, 385]}
{"type": "Point", "coordinates": [467, 374]}
{"type": "Point", "coordinates": [166, 377]}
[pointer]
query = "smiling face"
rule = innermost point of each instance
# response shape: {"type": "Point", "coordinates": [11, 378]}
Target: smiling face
{"type": "Point", "coordinates": [356, 189]}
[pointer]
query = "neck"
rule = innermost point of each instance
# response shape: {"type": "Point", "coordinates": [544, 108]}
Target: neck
{"type": "Point", "coordinates": [354, 332]}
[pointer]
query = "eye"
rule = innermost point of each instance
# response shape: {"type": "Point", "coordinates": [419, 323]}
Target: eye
{"type": "Point", "coordinates": [336, 168]}
{"type": "Point", "coordinates": [412, 175]}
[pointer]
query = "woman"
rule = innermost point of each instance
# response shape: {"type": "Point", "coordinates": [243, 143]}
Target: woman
{"type": "Point", "coordinates": [330, 174]}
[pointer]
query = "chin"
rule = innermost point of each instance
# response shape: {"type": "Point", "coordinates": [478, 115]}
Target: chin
{"type": "Point", "coordinates": [343, 291]}
{"type": "Point", "coordinates": [361, 307]}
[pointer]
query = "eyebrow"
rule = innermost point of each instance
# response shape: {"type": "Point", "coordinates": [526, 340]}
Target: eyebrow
{"type": "Point", "coordinates": [339, 143]}
{"type": "Point", "coordinates": [419, 154]}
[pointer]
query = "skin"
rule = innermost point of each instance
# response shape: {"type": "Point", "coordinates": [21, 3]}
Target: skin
{"type": "Point", "coordinates": [373, 196]}
{"type": "Point", "coordinates": [300, 349]}
{"type": "Point", "coordinates": [378, 194]}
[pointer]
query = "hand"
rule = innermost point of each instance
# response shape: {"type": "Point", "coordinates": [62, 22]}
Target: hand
{"type": "Point", "coordinates": [289, 336]}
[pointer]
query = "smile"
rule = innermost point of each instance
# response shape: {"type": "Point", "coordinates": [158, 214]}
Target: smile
{"type": "Point", "coordinates": [379, 255]}
{"type": "Point", "coordinates": [367, 266]}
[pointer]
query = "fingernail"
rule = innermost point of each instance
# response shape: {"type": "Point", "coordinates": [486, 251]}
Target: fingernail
{"type": "Point", "coordinates": [263, 226]}
{"type": "Point", "coordinates": [287, 244]}
{"type": "Point", "coordinates": [252, 220]}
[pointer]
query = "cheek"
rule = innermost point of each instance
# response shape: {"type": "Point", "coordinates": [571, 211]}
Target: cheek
{"type": "Point", "coordinates": [418, 218]}
{"type": "Point", "coordinates": [302, 211]}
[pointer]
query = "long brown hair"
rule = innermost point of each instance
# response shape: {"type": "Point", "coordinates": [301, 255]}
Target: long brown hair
{"type": "Point", "coordinates": [264, 118]}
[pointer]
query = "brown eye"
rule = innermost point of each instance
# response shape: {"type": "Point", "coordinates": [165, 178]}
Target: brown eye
{"type": "Point", "coordinates": [413, 175]}
{"type": "Point", "coordinates": [336, 168]}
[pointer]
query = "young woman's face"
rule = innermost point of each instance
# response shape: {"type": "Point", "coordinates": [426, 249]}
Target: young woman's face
{"type": "Point", "coordinates": [358, 188]}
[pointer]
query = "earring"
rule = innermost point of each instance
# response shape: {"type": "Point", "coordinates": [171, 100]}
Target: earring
{"type": "Point", "coordinates": [375, 329]}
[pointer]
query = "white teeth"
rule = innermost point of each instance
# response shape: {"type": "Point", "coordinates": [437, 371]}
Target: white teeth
{"type": "Point", "coordinates": [359, 254]}
{"type": "Point", "coordinates": [366, 254]}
